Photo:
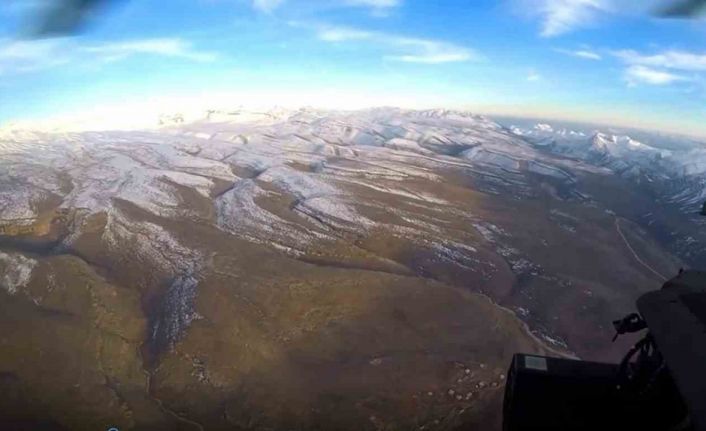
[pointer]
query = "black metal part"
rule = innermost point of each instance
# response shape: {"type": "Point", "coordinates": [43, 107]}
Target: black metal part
{"type": "Point", "coordinates": [676, 316]}
{"type": "Point", "coordinates": [629, 324]}
{"type": "Point", "coordinates": [659, 385]}
{"type": "Point", "coordinates": [558, 394]}
{"type": "Point", "coordinates": [563, 394]}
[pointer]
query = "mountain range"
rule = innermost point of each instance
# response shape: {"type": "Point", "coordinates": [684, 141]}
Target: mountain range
{"type": "Point", "coordinates": [305, 268]}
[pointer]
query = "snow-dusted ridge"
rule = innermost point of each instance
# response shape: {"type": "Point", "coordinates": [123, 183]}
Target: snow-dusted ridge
{"type": "Point", "coordinates": [152, 168]}
{"type": "Point", "coordinates": [679, 175]}
{"type": "Point", "coordinates": [306, 155]}
{"type": "Point", "coordinates": [309, 183]}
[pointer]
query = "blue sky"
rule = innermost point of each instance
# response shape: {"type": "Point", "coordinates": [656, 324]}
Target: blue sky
{"type": "Point", "coordinates": [606, 61]}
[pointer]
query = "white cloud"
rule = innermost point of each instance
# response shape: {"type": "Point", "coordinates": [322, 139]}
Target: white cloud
{"type": "Point", "coordinates": [678, 60]}
{"type": "Point", "coordinates": [27, 50]}
{"type": "Point", "coordinates": [375, 3]}
{"type": "Point", "coordinates": [431, 58]}
{"type": "Point", "coordinates": [534, 76]}
{"type": "Point", "coordinates": [411, 50]}
{"type": "Point", "coordinates": [637, 74]}
{"type": "Point", "coordinates": [661, 68]}
{"type": "Point", "coordinates": [584, 53]}
{"type": "Point", "coordinates": [266, 5]}
{"type": "Point", "coordinates": [427, 51]}
{"type": "Point", "coordinates": [379, 7]}
{"type": "Point", "coordinates": [163, 47]}
{"type": "Point", "coordinates": [28, 56]}
{"type": "Point", "coordinates": [588, 55]}
{"type": "Point", "coordinates": [24, 56]}
{"type": "Point", "coordinates": [343, 34]}
{"type": "Point", "coordinates": [563, 16]}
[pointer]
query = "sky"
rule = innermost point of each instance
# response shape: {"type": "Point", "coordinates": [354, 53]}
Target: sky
{"type": "Point", "coordinates": [600, 61]}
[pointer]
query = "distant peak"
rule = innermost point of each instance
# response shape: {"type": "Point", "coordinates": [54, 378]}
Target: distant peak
{"type": "Point", "coordinates": [446, 113]}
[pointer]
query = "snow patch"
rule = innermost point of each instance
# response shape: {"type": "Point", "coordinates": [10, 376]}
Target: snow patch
{"type": "Point", "coordinates": [16, 271]}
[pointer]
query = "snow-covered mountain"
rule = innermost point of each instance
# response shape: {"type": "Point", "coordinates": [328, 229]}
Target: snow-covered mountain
{"type": "Point", "coordinates": [380, 263]}
{"type": "Point", "coordinates": [299, 152]}
{"type": "Point", "coordinates": [677, 175]}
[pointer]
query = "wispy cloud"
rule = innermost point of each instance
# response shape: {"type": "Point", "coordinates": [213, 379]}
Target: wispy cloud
{"type": "Point", "coordinates": [661, 68]}
{"type": "Point", "coordinates": [677, 60]}
{"type": "Point", "coordinates": [266, 5]}
{"type": "Point", "coordinates": [409, 50]}
{"type": "Point", "coordinates": [24, 56]}
{"type": "Point", "coordinates": [343, 34]}
{"type": "Point", "coordinates": [637, 74]}
{"type": "Point", "coordinates": [432, 58]}
{"type": "Point", "coordinates": [563, 16]}
{"type": "Point", "coordinates": [559, 17]}
{"type": "Point", "coordinates": [427, 51]}
{"type": "Point", "coordinates": [375, 3]}
{"type": "Point", "coordinates": [584, 53]}
{"type": "Point", "coordinates": [177, 48]}
{"type": "Point", "coordinates": [533, 76]}
{"type": "Point", "coordinates": [379, 7]}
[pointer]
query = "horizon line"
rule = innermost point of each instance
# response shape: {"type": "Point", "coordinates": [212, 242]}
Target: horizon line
{"type": "Point", "coordinates": [146, 116]}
